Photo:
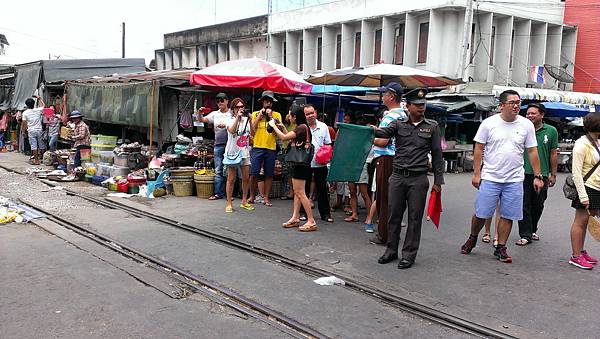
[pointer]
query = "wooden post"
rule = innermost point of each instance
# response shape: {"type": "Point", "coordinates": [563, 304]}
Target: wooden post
{"type": "Point", "coordinates": [152, 94]}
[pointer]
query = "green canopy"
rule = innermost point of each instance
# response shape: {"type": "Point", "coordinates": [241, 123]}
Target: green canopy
{"type": "Point", "coordinates": [352, 146]}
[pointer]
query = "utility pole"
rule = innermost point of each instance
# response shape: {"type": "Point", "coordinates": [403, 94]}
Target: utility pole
{"type": "Point", "coordinates": [463, 61]}
{"type": "Point", "coordinates": [123, 42]}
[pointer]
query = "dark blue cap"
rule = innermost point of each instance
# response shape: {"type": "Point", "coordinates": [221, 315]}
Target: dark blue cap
{"type": "Point", "coordinates": [393, 87]}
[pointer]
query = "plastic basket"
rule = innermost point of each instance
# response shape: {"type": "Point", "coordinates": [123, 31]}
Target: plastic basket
{"type": "Point", "coordinates": [104, 139]}
{"type": "Point", "coordinates": [102, 147]}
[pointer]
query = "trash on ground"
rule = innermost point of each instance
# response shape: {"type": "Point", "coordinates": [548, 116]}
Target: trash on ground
{"type": "Point", "coordinates": [330, 281]}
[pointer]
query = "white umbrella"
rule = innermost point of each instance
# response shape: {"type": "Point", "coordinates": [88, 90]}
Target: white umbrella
{"type": "Point", "coordinates": [382, 74]}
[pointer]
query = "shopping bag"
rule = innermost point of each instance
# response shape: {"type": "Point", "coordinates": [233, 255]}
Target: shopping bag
{"type": "Point", "coordinates": [324, 154]}
{"type": "Point", "coordinates": [593, 227]}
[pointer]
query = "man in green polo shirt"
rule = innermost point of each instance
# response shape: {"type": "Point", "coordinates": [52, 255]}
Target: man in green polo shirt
{"type": "Point", "coordinates": [533, 202]}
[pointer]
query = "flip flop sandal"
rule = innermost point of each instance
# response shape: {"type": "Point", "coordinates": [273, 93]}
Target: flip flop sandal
{"type": "Point", "coordinates": [302, 218]}
{"type": "Point", "coordinates": [307, 228]}
{"type": "Point", "coordinates": [215, 197]}
{"type": "Point", "coordinates": [328, 219]}
{"type": "Point", "coordinates": [268, 204]}
{"type": "Point", "coordinates": [290, 224]}
{"type": "Point", "coordinates": [522, 242]}
{"type": "Point", "coordinates": [535, 237]}
{"type": "Point", "coordinates": [228, 209]}
{"type": "Point", "coordinates": [486, 238]}
{"type": "Point", "coordinates": [247, 207]}
{"type": "Point", "coordinates": [350, 219]}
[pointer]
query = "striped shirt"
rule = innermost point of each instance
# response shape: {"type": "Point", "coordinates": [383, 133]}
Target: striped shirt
{"type": "Point", "coordinates": [388, 118]}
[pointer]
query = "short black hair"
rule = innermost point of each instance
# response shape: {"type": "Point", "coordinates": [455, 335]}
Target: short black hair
{"type": "Point", "coordinates": [540, 107]}
{"type": "Point", "coordinates": [591, 122]}
{"type": "Point", "coordinates": [29, 103]}
{"type": "Point", "coordinates": [309, 106]}
{"type": "Point", "coordinates": [504, 95]}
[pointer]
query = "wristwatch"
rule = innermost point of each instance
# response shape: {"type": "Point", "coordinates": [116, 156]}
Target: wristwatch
{"type": "Point", "coordinates": [539, 177]}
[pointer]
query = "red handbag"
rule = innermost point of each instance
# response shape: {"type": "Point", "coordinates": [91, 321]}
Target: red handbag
{"type": "Point", "coordinates": [324, 154]}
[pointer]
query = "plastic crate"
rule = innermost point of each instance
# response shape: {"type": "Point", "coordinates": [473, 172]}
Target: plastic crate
{"type": "Point", "coordinates": [104, 140]}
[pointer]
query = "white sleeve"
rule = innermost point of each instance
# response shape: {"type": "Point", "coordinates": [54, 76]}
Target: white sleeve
{"type": "Point", "coordinates": [211, 117]}
{"type": "Point", "coordinates": [482, 133]}
{"type": "Point", "coordinates": [530, 139]}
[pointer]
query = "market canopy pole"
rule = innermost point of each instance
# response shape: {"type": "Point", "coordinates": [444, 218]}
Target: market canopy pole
{"type": "Point", "coordinates": [152, 93]}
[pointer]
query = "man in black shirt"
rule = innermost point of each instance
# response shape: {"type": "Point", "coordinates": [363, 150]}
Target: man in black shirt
{"type": "Point", "coordinates": [408, 185]}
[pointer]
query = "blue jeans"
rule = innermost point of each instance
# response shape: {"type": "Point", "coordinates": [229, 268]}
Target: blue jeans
{"type": "Point", "coordinates": [53, 142]}
{"type": "Point", "coordinates": [219, 151]}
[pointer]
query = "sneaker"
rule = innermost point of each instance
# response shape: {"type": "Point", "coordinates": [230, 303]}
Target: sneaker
{"type": "Point", "coordinates": [501, 254]}
{"type": "Point", "coordinates": [259, 199]}
{"type": "Point", "coordinates": [369, 228]}
{"type": "Point", "coordinates": [580, 262]}
{"type": "Point", "coordinates": [469, 245]}
{"type": "Point", "coordinates": [589, 258]}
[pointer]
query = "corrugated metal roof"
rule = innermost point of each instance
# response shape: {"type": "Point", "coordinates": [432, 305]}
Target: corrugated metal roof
{"type": "Point", "coordinates": [168, 77]}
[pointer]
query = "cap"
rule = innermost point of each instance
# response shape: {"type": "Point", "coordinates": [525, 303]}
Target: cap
{"type": "Point", "coordinates": [393, 87]}
{"type": "Point", "coordinates": [416, 96]}
{"type": "Point", "coordinates": [269, 95]}
{"type": "Point", "coordinates": [75, 114]}
{"type": "Point", "coordinates": [539, 106]}
{"type": "Point", "coordinates": [222, 96]}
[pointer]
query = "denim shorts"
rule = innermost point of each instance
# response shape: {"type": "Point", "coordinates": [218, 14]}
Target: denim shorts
{"type": "Point", "coordinates": [262, 158]}
{"type": "Point", "coordinates": [35, 140]}
{"type": "Point", "coordinates": [509, 194]}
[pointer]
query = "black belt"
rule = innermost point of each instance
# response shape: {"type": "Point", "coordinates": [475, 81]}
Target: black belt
{"type": "Point", "coordinates": [408, 173]}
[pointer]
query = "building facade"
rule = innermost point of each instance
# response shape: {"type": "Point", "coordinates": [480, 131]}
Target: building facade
{"type": "Point", "coordinates": [205, 46]}
{"type": "Point", "coordinates": [506, 38]}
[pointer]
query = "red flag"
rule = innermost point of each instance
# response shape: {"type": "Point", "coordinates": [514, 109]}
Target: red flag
{"type": "Point", "coordinates": [434, 208]}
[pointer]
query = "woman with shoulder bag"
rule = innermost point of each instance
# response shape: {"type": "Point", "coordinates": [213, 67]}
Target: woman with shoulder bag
{"type": "Point", "coordinates": [298, 156]}
{"type": "Point", "coordinates": [586, 156]}
{"type": "Point", "coordinates": [237, 154]}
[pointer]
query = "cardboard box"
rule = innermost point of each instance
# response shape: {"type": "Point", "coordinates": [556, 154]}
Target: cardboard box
{"type": "Point", "coordinates": [65, 132]}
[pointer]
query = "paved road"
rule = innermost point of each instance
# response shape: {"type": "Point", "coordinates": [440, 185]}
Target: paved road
{"type": "Point", "coordinates": [538, 295]}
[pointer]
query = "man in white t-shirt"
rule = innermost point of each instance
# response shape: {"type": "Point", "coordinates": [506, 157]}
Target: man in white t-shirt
{"type": "Point", "coordinates": [504, 137]}
{"type": "Point", "coordinates": [219, 119]}
{"type": "Point", "coordinates": [32, 122]}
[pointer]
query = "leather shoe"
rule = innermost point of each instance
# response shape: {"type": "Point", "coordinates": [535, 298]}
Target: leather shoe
{"type": "Point", "coordinates": [387, 258]}
{"type": "Point", "coordinates": [404, 263]}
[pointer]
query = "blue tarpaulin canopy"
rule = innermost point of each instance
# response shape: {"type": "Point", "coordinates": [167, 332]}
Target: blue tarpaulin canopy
{"type": "Point", "coordinates": [318, 89]}
{"type": "Point", "coordinates": [561, 110]}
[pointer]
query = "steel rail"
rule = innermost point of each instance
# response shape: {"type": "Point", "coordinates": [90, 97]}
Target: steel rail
{"type": "Point", "coordinates": [219, 293]}
{"type": "Point", "coordinates": [390, 299]}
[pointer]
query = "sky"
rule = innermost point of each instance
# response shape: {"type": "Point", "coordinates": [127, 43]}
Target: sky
{"type": "Point", "coordinates": [69, 29]}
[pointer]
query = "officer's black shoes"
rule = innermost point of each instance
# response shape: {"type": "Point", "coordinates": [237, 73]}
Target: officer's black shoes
{"type": "Point", "coordinates": [404, 263]}
{"type": "Point", "coordinates": [387, 257]}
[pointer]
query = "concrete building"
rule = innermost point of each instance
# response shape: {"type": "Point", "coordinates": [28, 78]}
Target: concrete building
{"type": "Point", "coordinates": [205, 46]}
{"type": "Point", "coordinates": [506, 38]}
{"type": "Point", "coordinates": [584, 14]}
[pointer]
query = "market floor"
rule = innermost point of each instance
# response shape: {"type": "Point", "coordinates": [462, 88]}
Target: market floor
{"type": "Point", "coordinates": [539, 294]}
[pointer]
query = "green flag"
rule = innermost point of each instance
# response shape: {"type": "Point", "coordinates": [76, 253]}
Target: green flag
{"type": "Point", "coordinates": [352, 146]}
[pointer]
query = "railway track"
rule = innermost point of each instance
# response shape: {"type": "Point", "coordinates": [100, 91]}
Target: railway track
{"type": "Point", "coordinates": [393, 300]}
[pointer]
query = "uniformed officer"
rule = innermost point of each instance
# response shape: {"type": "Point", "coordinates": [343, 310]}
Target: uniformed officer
{"type": "Point", "coordinates": [408, 185]}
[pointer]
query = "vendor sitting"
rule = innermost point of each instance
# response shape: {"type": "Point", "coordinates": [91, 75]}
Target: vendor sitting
{"type": "Point", "coordinates": [80, 135]}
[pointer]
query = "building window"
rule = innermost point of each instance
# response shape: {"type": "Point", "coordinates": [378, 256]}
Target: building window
{"type": "Point", "coordinates": [285, 54]}
{"type": "Point", "coordinates": [399, 45]}
{"type": "Point", "coordinates": [301, 58]}
{"type": "Point", "coordinates": [338, 51]}
{"type": "Point", "coordinates": [357, 49]}
{"type": "Point", "coordinates": [377, 55]}
{"type": "Point", "coordinates": [493, 44]}
{"type": "Point", "coordinates": [423, 37]}
{"type": "Point", "coordinates": [319, 52]}
{"type": "Point", "coordinates": [472, 47]}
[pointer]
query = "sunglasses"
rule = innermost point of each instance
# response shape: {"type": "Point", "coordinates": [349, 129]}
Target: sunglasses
{"type": "Point", "coordinates": [240, 106]}
{"type": "Point", "coordinates": [220, 100]}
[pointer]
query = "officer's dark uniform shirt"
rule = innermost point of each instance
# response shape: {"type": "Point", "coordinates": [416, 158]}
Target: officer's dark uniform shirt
{"type": "Point", "coordinates": [413, 143]}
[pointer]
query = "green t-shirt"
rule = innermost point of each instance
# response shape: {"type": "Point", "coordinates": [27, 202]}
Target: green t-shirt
{"type": "Point", "coordinates": [547, 140]}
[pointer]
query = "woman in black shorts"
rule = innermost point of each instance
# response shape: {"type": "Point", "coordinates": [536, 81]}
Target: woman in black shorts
{"type": "Point", "coordinates": [299, 173]}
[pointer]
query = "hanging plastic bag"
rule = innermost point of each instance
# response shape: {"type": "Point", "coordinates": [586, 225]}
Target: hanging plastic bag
{"type": "Point", "coordinates": [324, 154]}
